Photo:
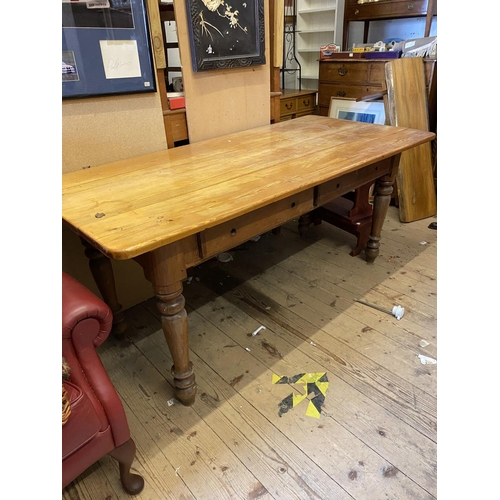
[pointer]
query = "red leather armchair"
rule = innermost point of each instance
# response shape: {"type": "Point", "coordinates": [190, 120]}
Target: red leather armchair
{"type": "Point", "coordinates": [97, 424]}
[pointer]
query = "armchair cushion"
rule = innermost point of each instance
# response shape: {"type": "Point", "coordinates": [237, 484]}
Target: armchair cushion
{"type": "Point", "coordinates": [83, 423]}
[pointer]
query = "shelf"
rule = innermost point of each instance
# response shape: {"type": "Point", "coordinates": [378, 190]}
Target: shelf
{"type": "Point", "coordinates": [315, 11]}
{"type": "Point", "coordinates": [308, 32]}
{"type": "Point", "coordinates": [309, 50]}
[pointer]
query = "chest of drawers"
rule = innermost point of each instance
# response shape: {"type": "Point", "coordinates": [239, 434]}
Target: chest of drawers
{"type": "Point", "coordinates": [373, 10]}
{"type": "Point", "coordinates": [295, 103]}
{"type": "Point", "coordinates": [355, 78]}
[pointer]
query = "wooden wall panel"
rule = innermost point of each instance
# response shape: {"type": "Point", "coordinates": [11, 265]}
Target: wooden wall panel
{"type": "Point", "coordinates": [102, 130]}
{"type": "Point", "coordinates": [229, 100]}
{"type": "Point", "coordinates": [105, 129]}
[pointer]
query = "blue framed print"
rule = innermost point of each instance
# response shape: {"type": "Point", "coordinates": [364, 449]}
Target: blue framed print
{"type": "Point", "coordinates": [106, 48]}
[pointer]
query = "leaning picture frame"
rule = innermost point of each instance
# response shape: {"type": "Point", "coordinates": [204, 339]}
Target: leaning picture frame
{"type": "Point", "coordinates": [224, 35]}
{"type": "Point", "coordinates": [358, 111]}
{"type": "Point", "coordinates": [106, 48]}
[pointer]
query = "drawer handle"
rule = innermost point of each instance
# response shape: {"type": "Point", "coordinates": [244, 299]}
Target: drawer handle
{"type": "Point", "coordinates": [293, 204]}
{"type": "Point", "coordinates": [356, 12]}
{"type": "Point", "coordinates": [288, 105]}
{"type": "Point", "coordinates": [306, 102]}
{"type": "Point", "coordinates": [341, 93]}
{"type": "Point", "coordinates": [343, 71]}
{"type": "Point", "coordinates": [233, 232]}
{"type": "Point", "coordinates": [410, 6]}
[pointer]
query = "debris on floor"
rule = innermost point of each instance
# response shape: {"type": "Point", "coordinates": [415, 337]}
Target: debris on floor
{"type": "Point", "coordinates": [397, 311]}
{"type": "Point", "coordinates": [224, 257]}
{"type": "Point", "coordinates": [254, 333]}
{"type": "Point", "coordinates": [425, 360]}
{"type": "Point", "coordinates": [316, 385]}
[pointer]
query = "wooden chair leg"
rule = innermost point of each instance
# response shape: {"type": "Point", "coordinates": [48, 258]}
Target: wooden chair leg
{"type": "Point", "coordinates": [125, 454]}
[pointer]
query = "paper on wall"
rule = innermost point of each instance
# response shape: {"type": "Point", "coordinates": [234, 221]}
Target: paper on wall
{"type": "Point", "coordinates": [120, 58]}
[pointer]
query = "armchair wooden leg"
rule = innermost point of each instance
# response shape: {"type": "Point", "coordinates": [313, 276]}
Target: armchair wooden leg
{"type": "Point", "coordinates": [125, 454]}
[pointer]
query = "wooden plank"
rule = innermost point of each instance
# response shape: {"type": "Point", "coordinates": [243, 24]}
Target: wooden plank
{"type": "Point", "coordinates": [259, 395]}
{"type": "Point", "coordinates": [247, 434]}
{"type": "Point", "coordinates": [304, 315]}
{"type": "Point", "coordinates": [186, 444]}
{"type": "Point", "coordinates": [216, 180]}
{"type": "Point", "coordinates": [156, 34]}
{"type": "Point", "coordinates": [278, 32]}
{"type": "Point", "coordinates": [376, 437]}
{"type": "Point", "coordinates": [407, 107]}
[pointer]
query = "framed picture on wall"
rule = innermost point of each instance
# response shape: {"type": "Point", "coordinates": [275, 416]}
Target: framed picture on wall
{"type": "Point", "coordinates": [105, 48]}
{"type": "Point", "coordinates": [226, 34]}
{"type": "Point", "coordinates": [358, 111]}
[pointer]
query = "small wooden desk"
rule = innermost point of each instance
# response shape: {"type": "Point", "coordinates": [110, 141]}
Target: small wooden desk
{"type": "Point", "coordinates": [174, 209]}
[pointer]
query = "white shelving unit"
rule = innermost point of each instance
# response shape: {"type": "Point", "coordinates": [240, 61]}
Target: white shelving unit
{"type": "Point", "coordinates": [318, 22]}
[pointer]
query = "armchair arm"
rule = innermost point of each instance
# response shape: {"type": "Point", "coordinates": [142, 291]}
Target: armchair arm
{"type": "Point", "coordinates": [79, 303]}
{"type": "Point", "coordinates": [86, 323]}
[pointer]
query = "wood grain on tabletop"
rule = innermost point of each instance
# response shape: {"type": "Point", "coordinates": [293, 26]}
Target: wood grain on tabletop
{"type": "Point", "coordinates": [171, 194]}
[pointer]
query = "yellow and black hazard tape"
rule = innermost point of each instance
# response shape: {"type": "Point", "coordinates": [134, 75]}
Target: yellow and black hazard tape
{"type": "Point", "coordinates": [314, 384]}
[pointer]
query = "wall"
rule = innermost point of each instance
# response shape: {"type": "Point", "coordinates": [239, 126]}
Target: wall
{"type": "Point", "coordinates": [401, 29]}
{"type": "Point", "coordinates": [229, 100]}
{"type": "Point", "coordinates": [102, 130]}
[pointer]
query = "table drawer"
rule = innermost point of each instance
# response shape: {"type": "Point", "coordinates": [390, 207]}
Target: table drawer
{"type": "Point", "coordinates": [344, 72]}
{"type": "Point", "coordinates": [331, 190]}
{"type": "Point", "coordinates": [326, 91]}
{"type": "Point", "coordinates": [234, 232]}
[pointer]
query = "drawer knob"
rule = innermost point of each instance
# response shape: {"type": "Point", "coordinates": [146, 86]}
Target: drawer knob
{"type": "Point", "coordinates": [410, 6]}
{"type": "Point", "coordinates": [341, 93]}
{"type": "Point", "coordinates": [356, 12]}
{"type": "Point", "coordinates": [288, 105]}
{"type": "Point", "coordinates": [293, 204]}
{"type": "Point", "coordinates": [233, 232]}
{"type": "Point", "coordinates": [343, 71]}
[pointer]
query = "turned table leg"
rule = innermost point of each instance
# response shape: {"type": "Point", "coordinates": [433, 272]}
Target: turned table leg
{"type": "Point", "coordinates": [382, 198]}
{"type": "Point", "coordinates": [102, 271]}
{"type": "Point", "coordinates": [175, 329]}
{"type": "Point", "coordinates": [305, 220]}
{"type": "Point", "coordinates": [164, 268]}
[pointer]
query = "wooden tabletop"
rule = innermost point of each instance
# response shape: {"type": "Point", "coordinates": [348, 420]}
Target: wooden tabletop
{"type": "Point", "coordinates": [136, 205]}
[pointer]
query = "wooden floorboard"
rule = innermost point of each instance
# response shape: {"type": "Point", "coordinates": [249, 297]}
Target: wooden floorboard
{"type": "Point", "coordinates": [376, 437]}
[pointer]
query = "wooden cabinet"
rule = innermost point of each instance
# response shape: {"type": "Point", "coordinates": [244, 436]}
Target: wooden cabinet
{"type": "Point", "coordinates": [355, 78]}
{"type": "Point", "coordinates": [372, 10]}
{"type": "Point", "coordinates": [295, 103]}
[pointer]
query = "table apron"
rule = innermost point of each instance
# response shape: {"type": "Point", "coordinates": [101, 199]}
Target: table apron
{"type": "Point", "coordinates": [239, 230]}
{"type": "Point", "coordinates": [330, 190]}
{"type": "Point", "coordinates": [212, 241]}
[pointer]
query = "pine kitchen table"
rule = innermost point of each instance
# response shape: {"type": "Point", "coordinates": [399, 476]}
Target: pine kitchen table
{"type": "Point", "coordinates": [174, 209]}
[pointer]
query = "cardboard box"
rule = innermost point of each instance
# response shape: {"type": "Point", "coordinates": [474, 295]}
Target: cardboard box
{"type": "Point", "coordinates": [326, 51]}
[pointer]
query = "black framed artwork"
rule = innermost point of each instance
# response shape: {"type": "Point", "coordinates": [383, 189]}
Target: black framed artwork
{"type": "Point", "coordinates": [226, 34]}
{"type": "Point", "coordinates": [105, 48]}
